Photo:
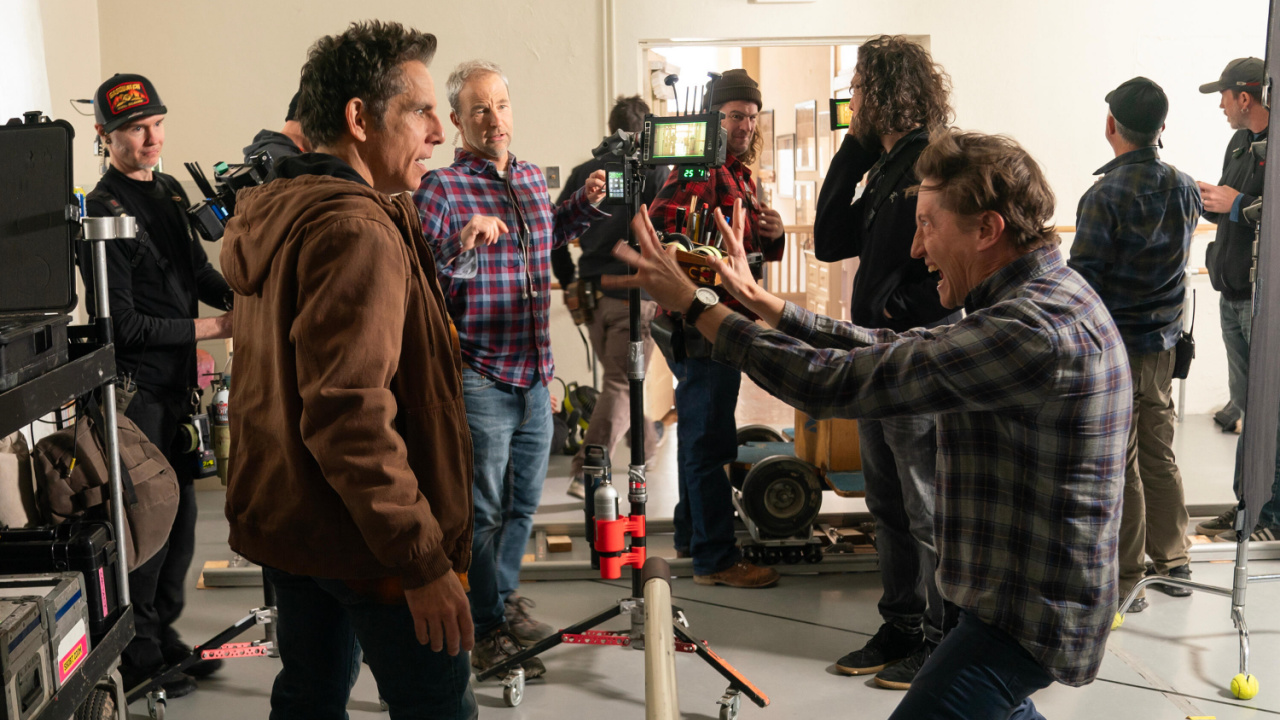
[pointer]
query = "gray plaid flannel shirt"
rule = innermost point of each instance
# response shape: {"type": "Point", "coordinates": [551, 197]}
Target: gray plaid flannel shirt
{"type": "Point", "coordinates": [1033, 398]}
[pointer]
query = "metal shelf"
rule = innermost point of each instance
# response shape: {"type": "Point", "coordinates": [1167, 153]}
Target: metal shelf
{"type": "Point", "coordinates": [97, 666]}
{"type": "Point", "coordinates": [40, 396]}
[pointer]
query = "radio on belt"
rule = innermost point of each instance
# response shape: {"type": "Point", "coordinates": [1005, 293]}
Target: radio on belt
{"type": "Point", "coordinates": [66, 614]}
{"type": "Point", "coordinates": [24, 658]}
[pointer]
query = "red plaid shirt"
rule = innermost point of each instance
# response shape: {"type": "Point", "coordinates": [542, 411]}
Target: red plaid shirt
{"type": "Point", "coordinates": [727, 183]}
{"type": "Point", "coordinates": [499, 300]}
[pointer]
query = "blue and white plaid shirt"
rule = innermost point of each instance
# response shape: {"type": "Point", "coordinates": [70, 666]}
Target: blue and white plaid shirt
{"type": "Point", "coordinates": [1033, 398]}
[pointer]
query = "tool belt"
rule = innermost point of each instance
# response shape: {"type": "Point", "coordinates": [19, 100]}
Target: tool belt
{"type": "Point", "coordinates": [582, 297]}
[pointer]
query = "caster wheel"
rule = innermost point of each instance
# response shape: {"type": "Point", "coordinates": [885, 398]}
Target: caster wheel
{"type": "Point", "coordinates": [513, 687]}
{"type": "Point", "coordinates": [793, 556]}
{"type": "Point", "coordinates": [729, 705]}
{"type": "Point", "coordinates": [100, 705]}
{"type": "Point", "coordinates": [772, 557]}
{"type": "Point", "coordinates": [1117, 622]}
{"type": "Point", "coordinates": [1244, 686]}
{"type": "Point", "coordinates": [156, 702]}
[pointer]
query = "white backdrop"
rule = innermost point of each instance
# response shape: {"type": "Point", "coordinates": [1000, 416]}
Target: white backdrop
{"type": "Point", "coordinates": [24, 81]}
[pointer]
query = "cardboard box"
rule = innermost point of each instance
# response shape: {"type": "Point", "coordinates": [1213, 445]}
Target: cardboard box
{"type": "Point", "coordinates": [838, 447]}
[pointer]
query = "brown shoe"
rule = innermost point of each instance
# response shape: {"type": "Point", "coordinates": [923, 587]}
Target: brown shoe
{"type": "Point", "coordinates": [741, 574]}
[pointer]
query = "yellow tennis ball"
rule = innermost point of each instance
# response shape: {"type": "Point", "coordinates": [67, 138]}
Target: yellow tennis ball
{"type": "Point", "coordinates": [1244, 686]}
{"type": "Point", "coordinates": [1117, 621]}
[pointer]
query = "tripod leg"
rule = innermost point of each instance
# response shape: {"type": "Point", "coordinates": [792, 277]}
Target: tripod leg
{"type": "Point", "coordinates": [544, 645]}
{"type": "Point", "coordinates": [737, 681]}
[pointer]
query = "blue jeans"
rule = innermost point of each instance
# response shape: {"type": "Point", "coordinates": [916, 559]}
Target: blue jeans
{"type": "Point", "coordinates": [707, 439]}
{"type": "Point", "coordinates": [318, 626]}
{"type": "Point", "coordinates": [978, 673]}
{"type": "Point", "coordinates": [511, 441]}
{"type": "Point", "coordinates": [899, 459]}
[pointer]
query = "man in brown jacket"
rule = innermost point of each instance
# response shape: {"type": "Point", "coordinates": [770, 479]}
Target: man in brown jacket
{"type": "Point", "coordinates": [351, 478]}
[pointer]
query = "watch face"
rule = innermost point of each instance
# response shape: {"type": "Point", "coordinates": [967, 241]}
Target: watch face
{"type": "Point", "coordinates": [706, 296]}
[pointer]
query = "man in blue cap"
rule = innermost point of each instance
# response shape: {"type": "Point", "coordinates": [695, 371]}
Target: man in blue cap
{"type": "Point", "coordinates": [1133, 235]}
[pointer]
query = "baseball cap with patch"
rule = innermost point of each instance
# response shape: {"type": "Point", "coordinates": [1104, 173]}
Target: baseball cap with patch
{"type": "Point", "coordinates": [124, 98]}
{"type": "Point", "coordinates": [1240, 74]}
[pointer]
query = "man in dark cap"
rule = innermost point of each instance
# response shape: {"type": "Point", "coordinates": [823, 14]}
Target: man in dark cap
{"type": "Point", "coordinates": [1230, 255]}
{"type": "Point", "coordinates": [707, 393]}
{"type": "Point", "coordinates": [156, 283]}
{"type": "Point", "coordinates": [1133, 234]}
{"type": "Point", "coordinates": [288, 142]}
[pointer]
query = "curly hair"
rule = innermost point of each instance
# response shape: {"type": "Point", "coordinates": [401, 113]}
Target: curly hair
{"type": "Point", "coordinates": [901, 88]}
{"type": "Point", "coordinates": [363, 62]}
{"type": "Point", "coordinates": [975, 173]}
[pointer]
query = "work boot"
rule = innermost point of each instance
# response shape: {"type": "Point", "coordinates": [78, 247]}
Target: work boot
{"type": "Point", "coordinates": [496, 646]}
{"type": "Point", "coordinates": [1182, 572]}
{"type": "Point", "coordinates": [1225, 522]}
{"type": "Point", "coordinates": [741, 574]}
{"type": "Point", "coordinates": [526, 629]}
{"type": "Point", "coordinates": [889, 645]}
{"type": "Point", "coordinates": [898, 676]}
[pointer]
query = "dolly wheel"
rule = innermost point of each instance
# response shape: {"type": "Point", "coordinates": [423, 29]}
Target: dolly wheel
{"type": "Point", "coordinates": [513, 687]}
{"type": "Point", "coordinates": [729, 704]}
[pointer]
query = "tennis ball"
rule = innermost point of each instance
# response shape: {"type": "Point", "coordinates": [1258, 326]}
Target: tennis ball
{"type": "Point", "coordinates": [1117, 622]}
{"type": "Point", "coordinates": [1244, 686]}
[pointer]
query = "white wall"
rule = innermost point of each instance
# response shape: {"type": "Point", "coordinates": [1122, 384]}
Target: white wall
{"type": "Point", "coordinates": [1035, 70]}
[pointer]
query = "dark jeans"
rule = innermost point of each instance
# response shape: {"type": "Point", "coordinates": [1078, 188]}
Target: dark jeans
{"type": "Point", "coordinates": [977, 673]}
{"type": "Point", "coordinates": [899, 457]}
{"type": "Point", "coordinates": [319, 623]}
{"type": "Point", "coordinates": [707, 439]}
{"type": "Point", "coordinates": [158, 587]}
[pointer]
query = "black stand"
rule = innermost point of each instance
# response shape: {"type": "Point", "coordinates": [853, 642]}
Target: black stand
{"type": "Point", "coordinates": [583, 632]}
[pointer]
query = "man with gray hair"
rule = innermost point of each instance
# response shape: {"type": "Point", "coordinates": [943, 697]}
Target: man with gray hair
{"type": "Point", "coordinates": [492, 228]}
{"type": "Point", "coordinates": [1133, 235]}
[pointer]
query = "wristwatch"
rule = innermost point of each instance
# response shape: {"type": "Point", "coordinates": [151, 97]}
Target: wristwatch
{"type": "Point", "coordinates": [703, 298]}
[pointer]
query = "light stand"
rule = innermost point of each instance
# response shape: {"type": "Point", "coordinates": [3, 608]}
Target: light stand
{"type": "Point", "coordinates": [607, 532]}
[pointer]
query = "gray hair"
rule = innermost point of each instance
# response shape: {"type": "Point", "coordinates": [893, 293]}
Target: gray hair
{"type": "Point", "coordinates": [1135, 138]}
{"type": "Point", "coordinates": [464, 72]}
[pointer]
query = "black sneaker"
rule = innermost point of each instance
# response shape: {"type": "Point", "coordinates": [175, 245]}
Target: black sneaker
{"type": "Point", "coordinates": [176, 653]}
{"type": "Point", "coordinates": [888, 645]}
{"type": "Point", "coordinates": [498, 645]}
{"type": "Point", "coordinates": [1182, 572]}
{"type": "Point", "coordinates": [898, 676]}
{"type": "Point", "coordinates": [1226, 522]}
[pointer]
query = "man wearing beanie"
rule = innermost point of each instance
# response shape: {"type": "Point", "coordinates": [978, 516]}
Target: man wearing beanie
{"type": "Point", "coordinates": [1133, 234]}
{"type": "Point", "coordinates": [156, 284]}
{"type": "Point", "coordinates": [288, 142]}
{"type": "Point", "coordinates": [707, 393]}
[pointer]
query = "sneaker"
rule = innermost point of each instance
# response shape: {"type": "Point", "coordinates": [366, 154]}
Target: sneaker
{"type": "Point", "coordinates": [1182, 572]}
{"type": "Point", "coordinates": [898, 676]}
{"type": "Point", "coordinates": [527, 630]}
{"type": "Point", "coordinates": [498, 645]}
{"type": "Point", "coordinates": [1138, 606]}
{"type": "Point", "coordinates": [889, 645]}
{"type": "Point", "coordinates": [177, 652]}
{"type": "Point", "coordinates": [1259, 534]}
{"type": "Point", "coordinates": [1226, 522]}
{"type": "Point", "coordinates": [741, 574]}
{"type": "Point", "coordinates": [577, 488]}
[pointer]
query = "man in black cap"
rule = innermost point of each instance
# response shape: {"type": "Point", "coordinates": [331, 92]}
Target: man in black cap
{"type": "Point", "coordinates": [156, 283]}
{"type": "Point", "coordinates": [288, 142]}
{"type": "Point", "coordinates": [1230, 255]}
{"type": "Point", "coordinates": [1133, 234]}
{"type": "Point", "coordinates": [707, 393]}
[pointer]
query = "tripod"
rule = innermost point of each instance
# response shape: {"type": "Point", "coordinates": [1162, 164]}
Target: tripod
{"type": "Point", "coordinates": [607, 534]}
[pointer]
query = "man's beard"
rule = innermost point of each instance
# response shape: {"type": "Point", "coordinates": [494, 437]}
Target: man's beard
{"type": "Point", "coordinates": [867, 137]}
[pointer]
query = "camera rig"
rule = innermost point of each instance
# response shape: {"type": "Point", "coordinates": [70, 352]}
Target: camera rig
{"type": "Point", "coordinates": [209, 217]}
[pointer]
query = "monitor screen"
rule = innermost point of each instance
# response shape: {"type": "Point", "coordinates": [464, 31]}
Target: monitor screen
{"type": "Point", "coordinates": [677, 140]}
{"type": "Point", "coordinates": [840, 113]}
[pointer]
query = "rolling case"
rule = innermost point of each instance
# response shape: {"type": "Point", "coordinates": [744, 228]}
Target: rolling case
{"type": "Point", "coordinates": [83, 547]}
{"type": "Point", "coordinates": [24, 657]}
{"type": "Point", "coordinates": [31, 346]}
{"type": "Point", "coordinates": [61, 597]}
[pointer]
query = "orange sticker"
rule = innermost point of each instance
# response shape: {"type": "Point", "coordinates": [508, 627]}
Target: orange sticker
{"type": "Point", "coordinates": [72, 659]}
{"type": "Point", "coordinates": [126, 95]}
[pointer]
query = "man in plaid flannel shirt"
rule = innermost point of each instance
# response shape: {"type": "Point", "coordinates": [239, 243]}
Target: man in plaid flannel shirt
{"type": "Point", "coordinates": [707, 393]}
{"type": "Point", "coordinates": [1133, 235]}
{"type": "Point", "coordinates": [1033, 398]}
{"type": "Point", "coordinates": [491, 225]}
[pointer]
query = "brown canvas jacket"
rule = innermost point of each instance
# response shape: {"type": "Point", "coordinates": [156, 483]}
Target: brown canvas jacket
{"type": "Point", "coordinates": [351, 456]}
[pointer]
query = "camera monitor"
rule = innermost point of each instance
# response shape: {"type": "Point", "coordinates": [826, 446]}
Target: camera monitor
{"type": "Point", "coordinates": [840, 113]}
{"type": "Point", "coordinates": [684, 140]}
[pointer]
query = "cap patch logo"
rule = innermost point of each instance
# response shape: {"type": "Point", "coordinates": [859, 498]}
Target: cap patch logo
{"type": "Point", "coordinates": [126, 95]}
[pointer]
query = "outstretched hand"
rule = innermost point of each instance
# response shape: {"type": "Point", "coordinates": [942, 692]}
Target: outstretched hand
{"type": "Point", "coordinates": [656, 268]}
{"type": "Point", "coordinates": [735, 272]}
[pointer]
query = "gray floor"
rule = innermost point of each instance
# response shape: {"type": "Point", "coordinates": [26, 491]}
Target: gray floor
{"type": "Point", "coordinates": [1172, 661]}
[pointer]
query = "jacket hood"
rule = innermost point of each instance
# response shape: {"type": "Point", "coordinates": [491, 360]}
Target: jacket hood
{"type": "Point", "coordinates": [277, 143]}
{"type": "Point", "coordinates": [308, 188]}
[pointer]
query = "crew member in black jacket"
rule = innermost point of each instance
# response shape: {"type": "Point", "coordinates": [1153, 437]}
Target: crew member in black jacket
{"type": "Point", "coordinates": [609, 325]}
{"type": "Point", "coordinates": [155, 284]}
{"type": "Point", "coordinates": [1230, 255]}
{"type": "Point", "coordinates": [899, 95]}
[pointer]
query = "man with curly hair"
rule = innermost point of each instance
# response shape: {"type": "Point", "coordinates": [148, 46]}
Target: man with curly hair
{"type": "Point", "coordinates": [899, 96]}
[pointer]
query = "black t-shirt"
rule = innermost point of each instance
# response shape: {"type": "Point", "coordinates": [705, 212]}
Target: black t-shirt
{"type": "Point", "coordinates": [154, 294]}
